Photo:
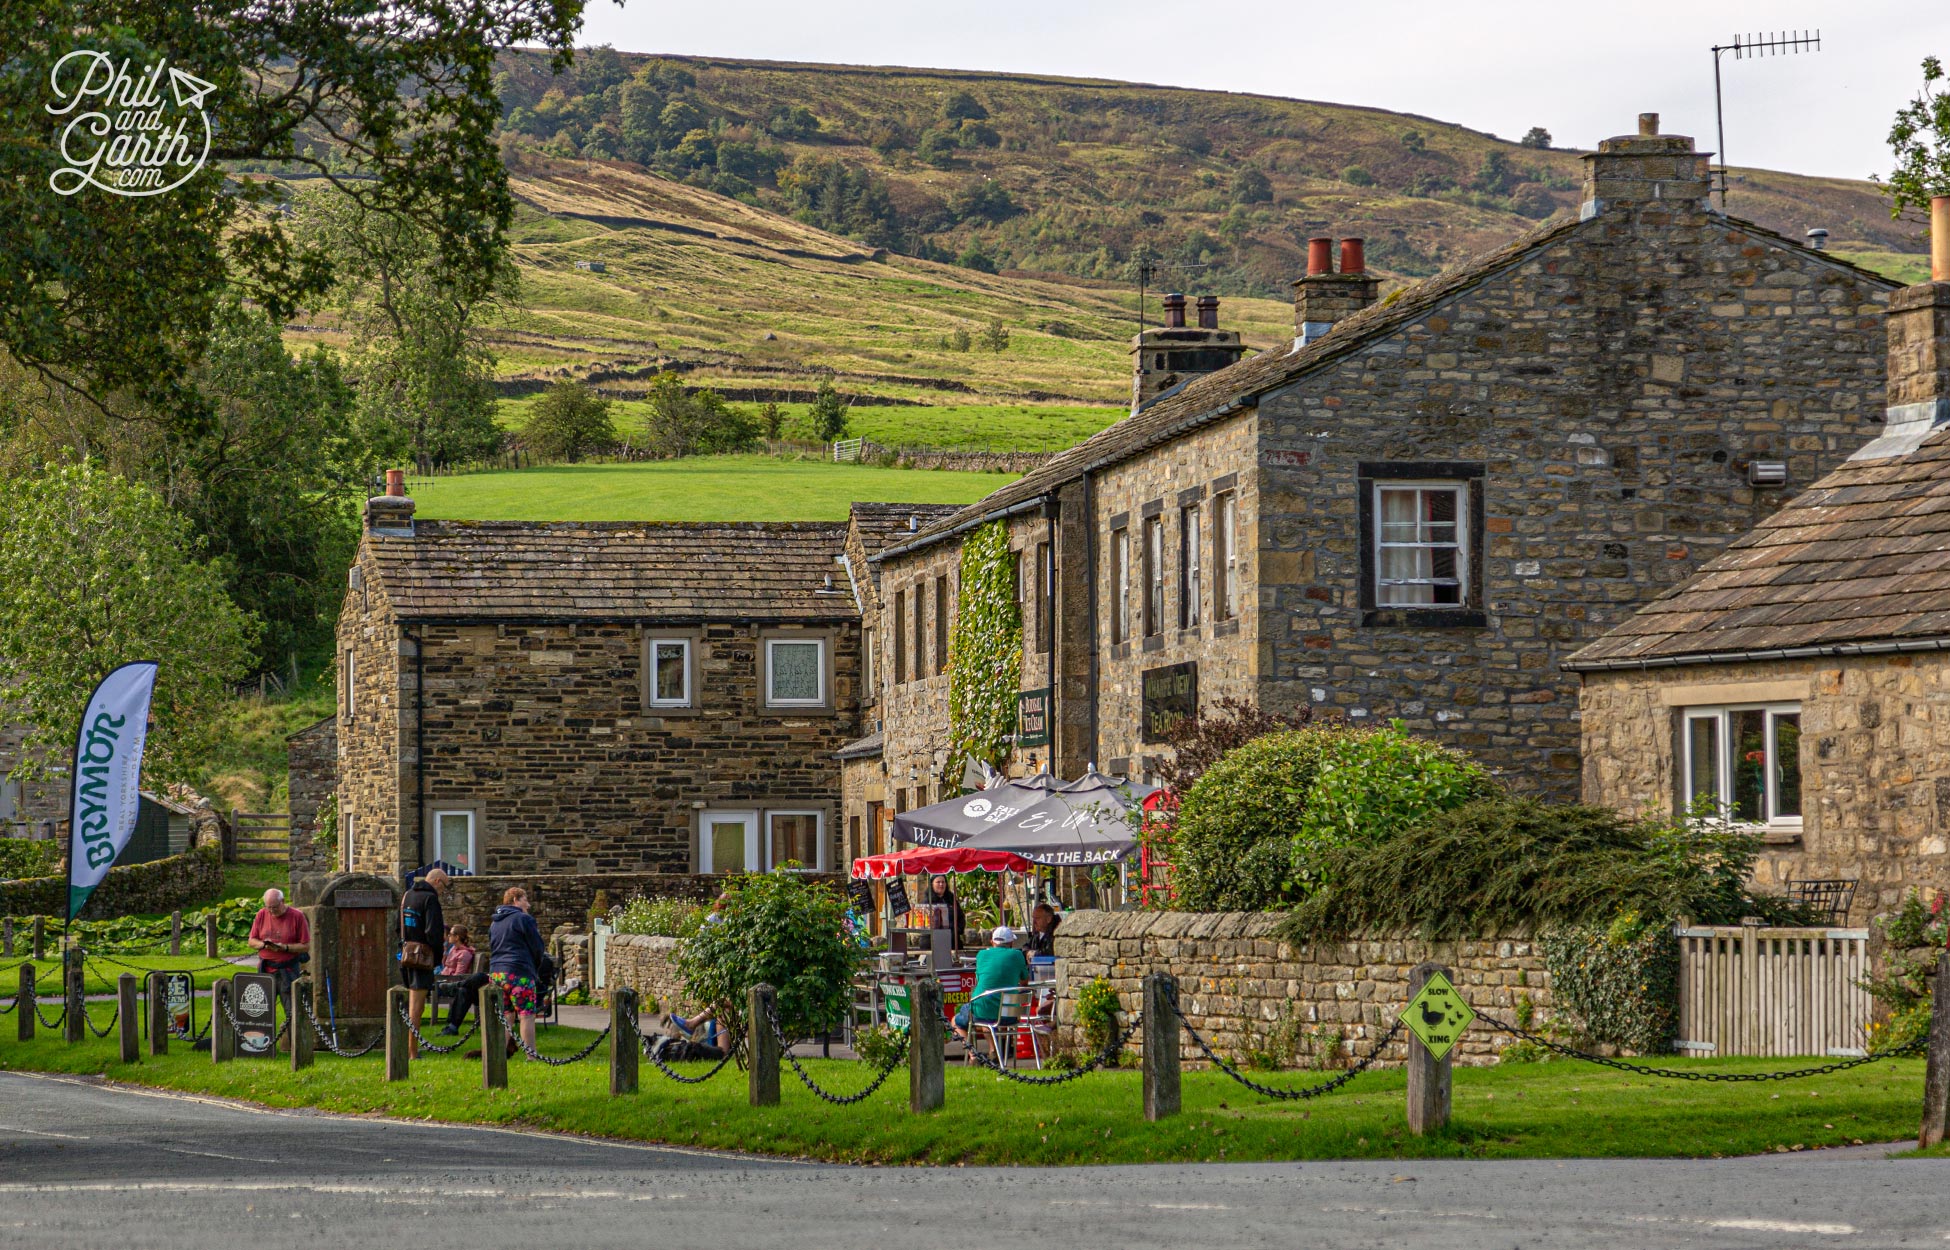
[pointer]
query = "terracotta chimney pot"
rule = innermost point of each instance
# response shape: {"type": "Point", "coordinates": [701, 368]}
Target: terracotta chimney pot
{"type": "Point", "coordinates": [1940, 238]}
{"type": "Point", "coordinates": [396, 483]}
{"type": "Point", "coordinates": [1320, 257]}
{"type": "Point", "coordinates": [1353, 258]}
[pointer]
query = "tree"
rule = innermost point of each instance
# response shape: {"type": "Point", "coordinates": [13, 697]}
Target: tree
{"type": "Point", "coordinates": [777, 929]}
{"type": "Point", "coordinates": [985, 200]}
{"type": "Point", "coordinates": [568, 422]}
{"type": "Point", "coordinates": [828, 412]}
{"type": "Point", "coordinates": [425, 384]}
{"type": "Point", "coordinates": [771, 418]}
{"type": "Point", "coordinates": [1920, 140]}
{"type": "Point", "coordinates": [973, 257]}
{"type": "Point", "coordinates": [1251, 186]}
{"type": "Point", "coordinates": [99, 572]}
{"type": "Point", "coordinates": [394, 104]}
{"type": "Point", "coordinates": [1494, 176]}
{"type": "Point", "coordinates": [963, 106]}
{"type": "Point", "coordinates": [1536, 137]}
{"type": "Point", "coordinates": [700, 424]}
{"type": "Point", "coordinates": [995, 336]}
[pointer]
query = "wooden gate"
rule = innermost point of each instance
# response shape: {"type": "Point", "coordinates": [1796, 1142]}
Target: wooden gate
{"type": "Point", "coordinates": [1757, 991]}
{"type": "Point", "coordinates": [263, 837]}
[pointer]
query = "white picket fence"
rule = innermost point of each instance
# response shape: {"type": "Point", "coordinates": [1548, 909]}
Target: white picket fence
{"type": "Point", "coordinates": [1747, 990]}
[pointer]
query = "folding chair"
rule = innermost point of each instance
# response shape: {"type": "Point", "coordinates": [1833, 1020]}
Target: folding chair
{"type": "Point", "coordinates": [1011, 1007]}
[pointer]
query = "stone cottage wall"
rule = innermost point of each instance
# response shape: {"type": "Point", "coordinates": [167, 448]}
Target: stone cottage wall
{"type": "Point", "coordinates": [1237, 980]}
{"type": "Point", "coordinates": [312, 774]}
{"type": "Point", "coordinates": [1875, 762]}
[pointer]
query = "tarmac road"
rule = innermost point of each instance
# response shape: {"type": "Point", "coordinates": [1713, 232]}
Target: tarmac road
{"type": "Point", "coordinates": [109, 1168]}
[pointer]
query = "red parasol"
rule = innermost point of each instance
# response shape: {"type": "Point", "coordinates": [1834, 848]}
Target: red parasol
{"type": "Point", "coordinates": [940, 859]}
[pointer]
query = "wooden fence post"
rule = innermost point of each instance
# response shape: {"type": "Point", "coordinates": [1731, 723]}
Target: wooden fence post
{"type": "Point", "coordinates": [223, 1038]}
{"type": "Point", "coordinates": [1160, 1024]}
{"type": "Point", "coordinates": [762, 1047]}
{"type": "Point", "coordinates": [623, 1048]}
{"type": "Point", "coordinates": [927, 1083]}
{"type": "Point", "coordinates": [159, 1020]}
{"type": "Point", "coordinates": [494, 1039]}
{"type": "Point", "coordinates": [128, 1018]}
{"type": "Point", "coordinates": [1936, 1072]}
{"type": "Point", "coordinates": [176, 932]}
{"type": "Point", "coordinates": [396, 1065]}
{"type": "Point", "coordinates": [1428, 1077]}
{"type": "Point", "coordinates": [73, 982]}
{"type": "Point", "coordinates": [210, 934]}
{"type": "Point", "coordinates": [27, 1004]}
{"type": "Point", "coordinates": [303, 1042]}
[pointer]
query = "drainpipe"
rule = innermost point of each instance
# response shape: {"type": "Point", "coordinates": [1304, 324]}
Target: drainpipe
{"type": "Point", "coordinates": [1090, 570]}
{"type": "Point", "coordinates": [420, 742]}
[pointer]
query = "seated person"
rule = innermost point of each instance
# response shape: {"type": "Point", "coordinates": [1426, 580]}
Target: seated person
{"type": "Point", "coordinates": [1042, 930]}
{"type": "Point", "coordinates": [460, 954]}
{"type": "Point", "coordinates": [1000, 967]}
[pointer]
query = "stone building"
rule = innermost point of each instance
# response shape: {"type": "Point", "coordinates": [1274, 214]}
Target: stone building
{"type": "Point", "coordinates": [312, 778]}
{"type": "Point", "coordinates": [593, 698]}
{"type": "Point", "coordinates": [1801, 681]}
{"type": "Point", "coordinates": [1423, 505]}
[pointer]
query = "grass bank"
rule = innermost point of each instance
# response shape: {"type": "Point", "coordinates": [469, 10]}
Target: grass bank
{"type": "Point", "coordinates": [100, 974]}
{"type": "Point", "coordinates": [702, 488]}
{"type": "Point", "coordinates": [1521, 1111]}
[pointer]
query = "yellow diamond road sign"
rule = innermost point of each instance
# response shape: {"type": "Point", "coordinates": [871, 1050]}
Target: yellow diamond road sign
{"type": "Point", "coordinates": [1438, 1015]}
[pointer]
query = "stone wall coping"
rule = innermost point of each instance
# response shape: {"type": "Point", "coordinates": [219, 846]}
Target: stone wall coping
{"type": "Point", "coordinates": [647, 941]}
{"type": "Point", "coordinates": [1230, 925]}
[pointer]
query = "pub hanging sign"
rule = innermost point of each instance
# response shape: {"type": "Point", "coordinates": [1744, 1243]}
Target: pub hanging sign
{"type": "Point", "coordinates": [1032, 718]}
{"type": "Point", "coordinates": [1170, 695]}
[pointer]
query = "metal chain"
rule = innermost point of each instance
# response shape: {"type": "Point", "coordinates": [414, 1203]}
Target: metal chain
{"type": "Point", "coordinates": [11, 1004]}
{"type": "Point", "coordinates": [838, 1100]}
{"type": "Point", "coordinates": [1676, 1074]}
{"type": "Point", "coordinates": [185, 1035]}
{"type": "Point", "coordinates": [331, 1042]}
{"type": "Point", "coordinates": [539, 1057]}
{"type": "Point", "coordinates": [106, 1029]}
{"type": "Point", "coordinates": [413, 1027]}
{"type": "Point", "coordinates": [42, 1016]}
{"type": "Point", "coordinates": [654, 1053]}
{"type": "Point", "coordinates": [1108, 1056]}
{"type": "Point", "coordinates": [1273, 1091]}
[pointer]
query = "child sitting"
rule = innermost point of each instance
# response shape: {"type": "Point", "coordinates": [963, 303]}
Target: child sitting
{"type": "Point", "coordinates": [460, 956]}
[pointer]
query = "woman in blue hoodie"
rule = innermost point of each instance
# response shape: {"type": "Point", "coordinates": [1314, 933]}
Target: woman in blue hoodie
{"type": "Point", "coordinates": [515, 958]}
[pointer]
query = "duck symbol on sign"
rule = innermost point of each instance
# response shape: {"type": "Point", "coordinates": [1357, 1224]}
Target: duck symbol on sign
{"type": "Point", "coordinates": [1438, 1015]}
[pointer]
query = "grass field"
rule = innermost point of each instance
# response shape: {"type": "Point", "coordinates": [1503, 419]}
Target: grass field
{"type": "Point", "coordinates": [703, 488]}
{"type": "Point", "coordinates": [967, 427]}
{"type": "Point", "coordinates": [1521, 1111]}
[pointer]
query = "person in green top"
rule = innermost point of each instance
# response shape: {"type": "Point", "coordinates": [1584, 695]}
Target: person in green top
{"type": "Point", "coordinates": [1000, 967]}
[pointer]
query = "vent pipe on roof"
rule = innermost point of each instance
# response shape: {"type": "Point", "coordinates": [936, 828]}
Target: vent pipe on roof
{"type": "Point", "coordinates": [1818, 239]}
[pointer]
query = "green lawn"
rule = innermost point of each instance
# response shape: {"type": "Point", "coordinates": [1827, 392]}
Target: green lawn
{"type": "Point", "coordinates": [99, 974]}
{"type": "Point", "coordinates": [703, 488]}
{"type": "Point", "coordinates": [1531, 1110]}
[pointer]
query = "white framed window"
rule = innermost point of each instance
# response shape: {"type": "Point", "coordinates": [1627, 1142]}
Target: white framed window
{"type": "Point", "coordinates": [1745, 759]}
{"type": "Point", "coordinates": [1120, 584]}
{"type": "Point", "coordinates": [795, 837]}
{"type": "Point", "coordinates": [1190, 567]}
{"type": "Point", "coordinates": [1421, 555]}
{"type": "Point", "coordinates": [727, 842]}
{"type": "Point", "coordinates": [1154, 576]}
{"type": "Point", "coordinates": [670, 672]}
{"type": "Point", "coordinates": [1225, 556]}
{"type": "Point", "coordinates": [453, 838]}
{"type": "Point", "coordinates": [795, 672]}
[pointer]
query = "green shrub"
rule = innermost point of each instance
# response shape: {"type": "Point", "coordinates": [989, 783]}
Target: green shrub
{"type": "Point", "coordinates": [776, 928]}
{"type": "Point", "coordinates": [1097, 1009]}
{"type": "Point", "coordinates": [20, 858]}
{"type": "Point", "coordinates": [1498, 864]}
{"type": "Point", "coordinates": [1904, 984]}
{"type": "Point", "coordinates": [658, 917]}
{"type": "Point", "coordinates": [1620, 980]}
{"type": "Point", "coordinates": [879, 1047]}
{"type": "Point", "coordinates": [1254, 830]}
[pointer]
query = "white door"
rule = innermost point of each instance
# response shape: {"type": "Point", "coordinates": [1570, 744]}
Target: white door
{"type": "Point", "coordinates": [727, 842]}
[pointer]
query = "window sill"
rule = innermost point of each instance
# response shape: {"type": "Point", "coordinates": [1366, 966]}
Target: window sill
{"type": "Point", "coordinates": [1154, 642]}
{"type": "Point", "coordinates": [657, 711]}
{"type": "Point", "coordinates": [1226, 628]}
{"type": "Point", "coordinates": [1424, 618]}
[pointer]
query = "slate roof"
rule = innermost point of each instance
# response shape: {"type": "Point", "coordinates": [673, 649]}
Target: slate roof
{"type": "Point", "coordinates": [866, 748]}
{"type": "Point", "coordinates": [1860, 557]}
{"type": "Point", "coordinates": [883, 524]}
{"type": "Point", "coordinates": [1215, 396]}
{"type": "Point", "coordinates": [615, 571]}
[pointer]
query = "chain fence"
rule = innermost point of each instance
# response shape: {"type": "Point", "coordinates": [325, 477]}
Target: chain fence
{"type": "Point", "coordinates": [514, 1035]}
{"type": "Point", "coordinates": [1273, 1091]}
{"type": "Point", "coordinates": [413, 1027]}
{"type": "Point", "coordinates": [60, 1017]}
{"type": "Point", "coordinates": [1681, 1074]}
{"type": "Point", "coordinates": [653, 1051]}
{"type": "Point", "coordinates": [1108, 1055]}
{"type": "Point", "coordinates": [330, 1041]}
{"type": "Point", "coordinates": [838, 1100]}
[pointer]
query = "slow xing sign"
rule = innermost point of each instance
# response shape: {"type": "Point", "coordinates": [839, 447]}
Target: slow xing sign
{"type": "Point", "coordinates": [107, 777]}
{"type": "Point", "coordinates": [1438, 1015]}
{"type": "Point", "coordinates": [124, 134]}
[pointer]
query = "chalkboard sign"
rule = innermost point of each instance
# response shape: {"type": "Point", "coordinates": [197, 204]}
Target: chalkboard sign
{"type": "Point", "coordinates": [1032, 718]}
{"type": "Point", "coordinates": [179, 997]}
{"type": "Point", "coordinates": [897, 895]}
{"type": "Point", "coordinates": [861, 891]}
{"type": "Point", "coordinates": [254, 996]}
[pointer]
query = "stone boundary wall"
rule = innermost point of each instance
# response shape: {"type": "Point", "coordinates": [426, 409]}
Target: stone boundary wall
{"type": "Point", "coordinates": [1236, 979]}
{"type": "Point", "coordinates": [965, 461]}
{"type": "Point", "coordinates": [313, 775]}
{"type": "Point", "coordinates": [647, 965]}
{"type": "Point", "coordinates": [185, 880]}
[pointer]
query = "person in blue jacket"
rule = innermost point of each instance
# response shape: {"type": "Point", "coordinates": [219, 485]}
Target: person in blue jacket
{"type": "Point", "coordinates": [516, 959]}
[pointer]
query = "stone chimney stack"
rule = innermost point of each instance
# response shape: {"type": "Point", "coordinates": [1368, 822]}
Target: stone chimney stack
{"type": "Point", "coordinates": [391, 513]}
{"type": "Point", "coordinates": [1324, 297]}
{"type": "Point", "coordinates": [1173, 354]}
{"type": "Point", "coordinates": [1919, 370]}
{"type": "Point", "coordinates": [1648, 168]}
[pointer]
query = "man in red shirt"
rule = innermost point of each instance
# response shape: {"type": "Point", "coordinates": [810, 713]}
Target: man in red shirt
{"type": "Point", "coordinates": [281, 938]}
